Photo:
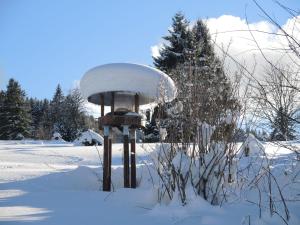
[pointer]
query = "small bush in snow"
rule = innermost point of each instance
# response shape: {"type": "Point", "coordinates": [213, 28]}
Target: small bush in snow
{"type": "Point", "coordinates": [251, 146]}
{"type": "Point", "coordinates": [89, 138]}
{"type": "Point", "coordinates": [56, 136]}
{"type": "Point", "coordinates": [19, 136]}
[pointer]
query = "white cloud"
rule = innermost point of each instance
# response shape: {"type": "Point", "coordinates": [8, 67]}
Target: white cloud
{"type": "Point", "coordinates": [92, 109]}
{"type": "Point", "coordinates": [75, 84]}
{"type": "Point", "coordinates": [234, 32]}
{"type": "Point", "coordinates": [155, 50]}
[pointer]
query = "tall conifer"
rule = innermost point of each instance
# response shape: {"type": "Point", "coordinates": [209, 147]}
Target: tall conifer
{"type": "Point", "coordinates": [15, 119]}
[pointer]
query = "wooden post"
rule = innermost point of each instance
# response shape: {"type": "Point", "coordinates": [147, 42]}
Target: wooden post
{"type": "Point", "coordinates": [106, 180]}
{"type": "Point", "coordinates": [109, 161]}
{"type": "Point", "coordinates": [126, 157]}
{"type": "Point", "coordinates": [132, 158]}
{"type": "Point", "coordinates": [112, 103]}
{"type": "Point", "coordinates": [136, 103]}
{"type": "Point", "coordinates": [102, 104]}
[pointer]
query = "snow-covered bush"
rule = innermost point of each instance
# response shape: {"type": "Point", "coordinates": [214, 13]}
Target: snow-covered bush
{"type": "Point", "coordinates": [259, 181]}
{"type": "Point", "coordinates": [19, 136]}
{"type": "Point", "coordinates": [251, 146]}
{"type": "Point", "coordinates": [201, 168]}
{"type": "Point", "coordinates": [89, 138]}
{"type": "Point", "coordinates": [56, 136]}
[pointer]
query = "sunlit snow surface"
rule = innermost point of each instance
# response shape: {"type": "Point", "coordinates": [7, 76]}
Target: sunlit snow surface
{"type": "Point", "coordinates": [48, 182]}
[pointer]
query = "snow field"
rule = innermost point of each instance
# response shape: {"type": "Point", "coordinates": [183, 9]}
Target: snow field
{"type": "Point", "coordinates": [52, 183]}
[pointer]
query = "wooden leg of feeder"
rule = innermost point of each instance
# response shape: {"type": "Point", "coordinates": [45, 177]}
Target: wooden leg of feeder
{"type": "Point", "coordinates": [112, 103]}
{"type": "Point", "coordinates": [136, 103]}
{"type": "Point", "coordinates": [102, 104]}
{"type": "Point", "coordinates": [106, 181]}
{"type": "Point", "coordinates": [132, 160]}
{"type": "Point", "coordinates": [126, 157]}
{"type": "Point", "coordinates": [109, 162]}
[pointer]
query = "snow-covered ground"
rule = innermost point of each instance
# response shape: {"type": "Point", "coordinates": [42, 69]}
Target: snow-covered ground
{"type": "Point", "coordinates": [50, 182]}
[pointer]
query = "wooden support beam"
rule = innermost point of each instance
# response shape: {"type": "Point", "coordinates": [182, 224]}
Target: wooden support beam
{"type": "Point", "coordinates": [109, 161]}
{"type": "Point", "coordinates": [115, 121]}
{"type": "Point", "coordinates": [126, 157]}
{"type": "Point", "coordinates": [136, 103]}
{"type": "Point", "coordinates": [112, 103]}
{"type": "Point", "coordinates": [102, 104]}
{"type": "Point", "coordinates": [106, 181]}
{"type": "Point", "coordinates": [126, 162]}
{"type": "Point", "coordinates": [132, 159]}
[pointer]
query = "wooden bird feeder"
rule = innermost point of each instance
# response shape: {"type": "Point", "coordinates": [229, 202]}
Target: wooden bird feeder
{"type": "Point", "coordinates": [124, 87]}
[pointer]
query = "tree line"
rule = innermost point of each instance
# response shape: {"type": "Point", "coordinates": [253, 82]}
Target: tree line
{"type": "Point", "coordinates": [23, 117]}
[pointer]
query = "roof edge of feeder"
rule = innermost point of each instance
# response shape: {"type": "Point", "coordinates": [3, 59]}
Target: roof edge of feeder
{"type": "Point", "coordinates": [149, 83]}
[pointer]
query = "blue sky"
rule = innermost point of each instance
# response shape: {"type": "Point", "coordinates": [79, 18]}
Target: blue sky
{"type": "Point", "coordinates": [43, 43]}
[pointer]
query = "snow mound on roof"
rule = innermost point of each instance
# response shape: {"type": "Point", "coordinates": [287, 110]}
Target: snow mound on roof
{"type": "Point", "coordinates": [89, 137]}
{"type": "Point", "coordinates": [151, 84]}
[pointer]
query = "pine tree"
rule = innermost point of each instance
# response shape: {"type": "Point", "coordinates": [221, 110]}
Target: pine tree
{"type": "Point", "coordinates": [45, 126]}
{"type": "Point", "coordinates": [198, 74]}
{"type": "Point", "coordinates": [174, 52]}
{"type": "Point", "coordinates": [14, 113]}
{"type": "Point", "coordinates": [73, 116]}
{"type": "Point", "coordinates": [56, 110]}
{"type": "Point", "coordinates": [65, 114]}
{"type": "Point", "coordinates": [2, 97]}
{"type": "Point", "coordinates": [208, 76]}
{"type": "Point", "coordinates": [283, 127]}
{"type": "Point", "coordinates": [2, 116]}
{"type": "Point", "coordinates": [35, 115]}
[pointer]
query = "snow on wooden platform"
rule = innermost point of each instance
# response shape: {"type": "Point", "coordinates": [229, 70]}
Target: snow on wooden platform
{"type": "Point", "coordinates": [151, 84]}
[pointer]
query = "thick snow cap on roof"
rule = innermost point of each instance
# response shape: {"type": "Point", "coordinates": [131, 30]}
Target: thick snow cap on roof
{"type": "Point", "coordinates": [129, 79]}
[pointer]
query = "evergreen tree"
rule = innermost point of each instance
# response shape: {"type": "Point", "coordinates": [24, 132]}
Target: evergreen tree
{"type": "Point", "coordinates": [14, 113]}
{"type": "Point", "coordinates": [2, 117]}
{"type": "Point", "coordinates": [178, 42]}
{"type": "Point", "coordinates": [36, 112]}
{"type": "Point", "coordinates": [2, 97]}
{"type": "Point", "coordinates": [198, 74]}
{"type": "Point", "coordinates": [73, 117]}
{"type": "Point", "coordinates": [283, 127]}
{"type": "Point", "coordinates": [56, 110]}
{"type": "Point", "coordinates": [208, 76]}
{"type": "Point", "coordinates": [151, 132]}
{"type": "Point", "coordinates": [45, 126]}
{"type": "Point", "coordinates": [173, 53]}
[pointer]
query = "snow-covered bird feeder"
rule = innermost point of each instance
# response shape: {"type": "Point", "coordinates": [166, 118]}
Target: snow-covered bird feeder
{"type": "Point", "coordinates": [124, 87]}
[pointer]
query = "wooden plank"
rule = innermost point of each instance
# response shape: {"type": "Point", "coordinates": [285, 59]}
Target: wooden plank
{"type": "Point", "coordinates": [114, 120]}
{"type": "Point", "coordinates": [126, 162]}
{"type": "Point", "coordinates": [109, 161]}
{"type": "Point", "coordinates": [136, 103]}
{"type": "Point", "coordinates": [102, 104]}
{"type": "Point", "coordinates": [112, 103]}
{"type": "Point", "coordinates": [133, 163]}
{"type": "Point", "coordinates": [106, 186]}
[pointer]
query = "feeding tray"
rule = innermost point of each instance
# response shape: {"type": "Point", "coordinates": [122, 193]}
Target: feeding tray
{"type": "Point", "coordinates": [131, 120]}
